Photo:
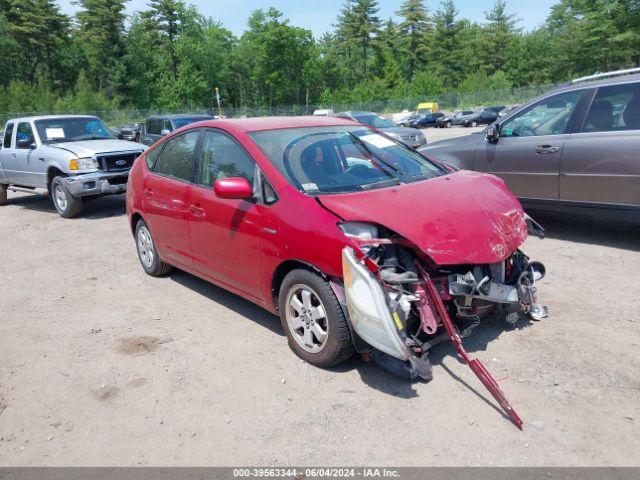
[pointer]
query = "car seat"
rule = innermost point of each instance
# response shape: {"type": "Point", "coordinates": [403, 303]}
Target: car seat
{"type": "Point", "coordinates": [600, 117]}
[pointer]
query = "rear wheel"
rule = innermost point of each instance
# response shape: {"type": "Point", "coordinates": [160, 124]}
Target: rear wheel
{"type": "Point", "coordinates": [313, 320]}
{"type": "Point", "coordinates": [66, 204]}
{"type": "Point", "coordinates": [448, 125]}
{"type": "Point", "coordinates": [147, 252]}
{"type": "Point", "coordinates": [474, 124]}
{"type": "Point", "coordinates": [3, 193]}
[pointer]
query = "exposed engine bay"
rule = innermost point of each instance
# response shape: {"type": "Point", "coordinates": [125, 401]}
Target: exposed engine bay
{"type": "Point", "coordinates": [401, 304]}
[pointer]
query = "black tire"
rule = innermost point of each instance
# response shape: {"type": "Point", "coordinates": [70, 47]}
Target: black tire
{"type": "Point", "coordinates": [147, 253]}
{"type": "Point", "coordinates": [3, 193]}
{"type": "Point", "coordinates": [338, 345]}
{"type": "Point", "coordinates": [65, 204]}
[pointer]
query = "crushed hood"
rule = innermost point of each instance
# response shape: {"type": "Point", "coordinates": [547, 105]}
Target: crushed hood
{"type": "Point", "coordinates": [462, 218]}
{"type": "Point", "coordinates": [88, 148]}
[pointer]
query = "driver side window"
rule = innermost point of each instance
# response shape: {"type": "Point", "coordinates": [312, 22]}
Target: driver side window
{"type": "Point", "coordinates": [24, 133]}
{"type": "Point", "coordinates": [547, 117]}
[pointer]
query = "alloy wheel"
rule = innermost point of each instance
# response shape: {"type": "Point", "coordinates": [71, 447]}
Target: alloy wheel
{"type": "Point", "coordinates": [145, 247]}
{"type": "Point", "coordinates": [307, 318]}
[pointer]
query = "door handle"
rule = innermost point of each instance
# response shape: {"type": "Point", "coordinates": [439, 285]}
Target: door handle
{"type": "Point", "coordinates": [196, 209]}
{"type": "Point", "coordinates": [148, 193]}
{"type": "Point", "coordinates": [543, 149]}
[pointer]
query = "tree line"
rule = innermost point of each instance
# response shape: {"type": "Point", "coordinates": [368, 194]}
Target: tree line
{"type": "Point", "coordinates": [170, 56]}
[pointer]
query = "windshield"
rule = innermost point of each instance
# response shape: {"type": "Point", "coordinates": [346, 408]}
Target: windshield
{"type": "Point", "coordinates": [181, 122]}
{"type": "Point", "coordinates": [72, 129]}
{"type": "Point", "coordinates": [343, 159]}
{"type": "Point", "coordinates": [375, 121]}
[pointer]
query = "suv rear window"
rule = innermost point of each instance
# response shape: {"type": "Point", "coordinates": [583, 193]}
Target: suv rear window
{"type": "Point", "coordinates": [614, 108]}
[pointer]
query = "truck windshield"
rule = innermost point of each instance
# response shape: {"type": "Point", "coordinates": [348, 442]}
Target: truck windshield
{"type": "Point", "coordinates": [72, 129]}
{"type": "Point", "coordinates": [319, 160]}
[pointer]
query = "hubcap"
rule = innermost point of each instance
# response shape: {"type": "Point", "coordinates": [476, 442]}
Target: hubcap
{"type": "Point", "coordinates": [60, 197]}
{"type": "Point", "coordinates": [307, 318]}
{"type": "Point", "coordinates": [145, 247]}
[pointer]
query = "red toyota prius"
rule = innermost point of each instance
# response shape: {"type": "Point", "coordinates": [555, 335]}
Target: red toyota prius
{"type": "Point", "coordinates": [357, 242]}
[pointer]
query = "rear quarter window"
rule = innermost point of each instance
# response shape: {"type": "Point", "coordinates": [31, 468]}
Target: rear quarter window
{"type": "Point", "coordinates": [8, 133]}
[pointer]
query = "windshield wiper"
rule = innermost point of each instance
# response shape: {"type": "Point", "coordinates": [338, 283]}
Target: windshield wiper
{"type": "Point", "coordinates": [380, 184]}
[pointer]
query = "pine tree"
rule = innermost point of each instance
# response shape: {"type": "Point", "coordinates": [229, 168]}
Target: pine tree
{"type": "Point", "coordinates": [499, 32]}
{"type": "Point", "coordinates": [414, 34]}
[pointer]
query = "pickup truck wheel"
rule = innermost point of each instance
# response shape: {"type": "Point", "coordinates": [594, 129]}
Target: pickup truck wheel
{"type": "Point", "coordinates": [474, 124]}
{"type": "Point", "coordinates": [147, 252]}
{"type": "Point", "coordinates": [313, 320]}
{"type": "Point", "coordinates": [3, 194]}
{"type": "Point", "coordinates": [66, 204]}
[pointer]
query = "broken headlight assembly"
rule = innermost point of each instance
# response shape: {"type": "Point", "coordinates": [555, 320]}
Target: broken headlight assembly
{"type": "Point", "coordinates": [401, 305]}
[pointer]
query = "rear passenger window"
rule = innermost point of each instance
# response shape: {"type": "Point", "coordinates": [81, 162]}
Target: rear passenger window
{"type": "Point", "coordinates": [222, 157]}
{"type": "Point", "coordinates": [178, 157]}
{"type": "Point", "coordinates": [7, 136]}
{"type": "Point", "coordinates": [152, 156]}
{"type": "Point", "coordinates": [614, 108]}
{"type": "Point", "coordinates": [154, 126]}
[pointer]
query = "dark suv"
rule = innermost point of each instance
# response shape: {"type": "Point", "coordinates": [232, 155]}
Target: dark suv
{"type": "Point", "coordinates": [575, 148]}
{"type": "Point", "coordinates": [484, 116]}
{"type": "Point", "coordinates": [158, 126]}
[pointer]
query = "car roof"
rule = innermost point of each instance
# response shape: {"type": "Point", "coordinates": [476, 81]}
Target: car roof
{"type": "Point", "coordinates": [34, 118]}
{"type": "Point", "coordinates": [255, 124]}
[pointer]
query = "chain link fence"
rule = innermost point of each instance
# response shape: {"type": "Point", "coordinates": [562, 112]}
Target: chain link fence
{"type": "Point", "coordinates": [446, 102]}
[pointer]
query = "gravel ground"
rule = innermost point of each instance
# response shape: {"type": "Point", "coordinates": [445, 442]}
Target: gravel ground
{"type": "Point", "coordinates": [102, 365]}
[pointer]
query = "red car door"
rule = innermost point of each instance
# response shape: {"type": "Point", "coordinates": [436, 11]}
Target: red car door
{"type": "Point", "coordinates": [166, 198]}
{"type": "Point", "coordinates": [225, 233]}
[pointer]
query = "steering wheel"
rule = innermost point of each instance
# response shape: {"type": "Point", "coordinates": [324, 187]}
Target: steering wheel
{"type": "Point", "coordinates": [358, 167]}
{"type": "Point", "coordinates": [525, 128]}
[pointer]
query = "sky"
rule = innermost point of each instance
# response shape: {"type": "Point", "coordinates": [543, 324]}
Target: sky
{"type": "Point", "coordinates": [318, 16]}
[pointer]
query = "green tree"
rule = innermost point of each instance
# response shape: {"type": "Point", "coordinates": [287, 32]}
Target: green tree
{"type": "Point", "coordinates": [499, 32]}
{"type": "Point", "coordinates": [414, 34]}
{"type": "Point", "coordinates": [100, 34]}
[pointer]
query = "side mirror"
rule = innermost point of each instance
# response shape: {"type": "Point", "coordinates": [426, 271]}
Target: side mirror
{"type": "Point", "coordinates": [26, 143]}
{"type": "Point", "coordinates": [493, 133]}
{"type": "Point", "coordinates": [233, 187]}
{"type": "Point", "coordinates": [164, 132]}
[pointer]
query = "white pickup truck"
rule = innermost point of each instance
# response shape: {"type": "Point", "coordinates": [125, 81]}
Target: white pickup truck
{"type": "Point", "coordinates": [73, 157]}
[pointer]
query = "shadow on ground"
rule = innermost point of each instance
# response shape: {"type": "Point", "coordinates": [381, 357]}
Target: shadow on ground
{"type": "Point", "coordinates": [585, 230]}
{"type": "Point", "coordinates": [371, 373]}
{"type": "Point", "coordinates": [94, 209]}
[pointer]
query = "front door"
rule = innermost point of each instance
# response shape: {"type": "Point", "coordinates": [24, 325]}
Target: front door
{"type": "Point", "coordinates": [225, 233]}
{"type": "Point", "coordinates": [28, 163]}
{"type": "Point", "coordinates": [601, 164]}
{"type": "Point", "coordinates": [166, 198]}
{"type": "Point", "coordinates": [527, 154]}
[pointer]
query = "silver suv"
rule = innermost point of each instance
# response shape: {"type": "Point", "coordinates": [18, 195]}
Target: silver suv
{"type": "Point", "coordinates": [74, 157]}
{"type": "Point", "coordinates": [574, 149]}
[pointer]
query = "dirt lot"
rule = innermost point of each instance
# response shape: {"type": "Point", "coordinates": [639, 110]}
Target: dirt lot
{"type": "Point", "coordinates": [103, 365]}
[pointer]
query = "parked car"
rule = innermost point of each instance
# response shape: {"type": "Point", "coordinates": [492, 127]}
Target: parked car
{"type": "Point", "coordinates": [573, 149]}
{"type": "Point", "coordinates": [73, 157]}
{"type": "Point", "coordinates": [405, 122]}
{"type": "Point", "coordinates": [357, 242]}
{"type": "Point", "coordinates": [129, 131]}
{"type": "Point", "coordinates": [158, 126]}
{"type": "Point", "coordinates": [507, 109]}
{"type": "Point", "coordinates": [426, 120]}
{"type": "Point", "coordinates": [483, 116]}
{"type": "Point", "coordinates": [455, 118]}
{"type": "Point", "coordinates": [411, 137]}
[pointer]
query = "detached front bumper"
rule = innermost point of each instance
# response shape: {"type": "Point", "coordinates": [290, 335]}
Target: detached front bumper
{"type": "Point", "coordinates": [97, 183]}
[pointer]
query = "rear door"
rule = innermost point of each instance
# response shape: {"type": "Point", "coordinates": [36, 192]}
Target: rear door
{"type": "Point", "coordinates": [225, 233]}
{"type": "Point", "coordinates": [6, 153]}
{"type": "Point", "coordinates": [166, 197]}
{"type": "Point", "coordinates": [527, 155]}
{"type": "Point", "coordinates": [601, 163]}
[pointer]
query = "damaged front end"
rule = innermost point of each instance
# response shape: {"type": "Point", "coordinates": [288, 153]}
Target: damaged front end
{"type": "Point", "coordinates": [401, 304]}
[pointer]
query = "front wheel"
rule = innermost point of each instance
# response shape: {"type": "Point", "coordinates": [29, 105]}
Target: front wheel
{"type": "Point", "coordinates": [448, 125]}
{"type": "Point", "coordinates": [313, 320]}
{"type": "Point", "coordinates": [147, 252]}
{"type": "Point", "coordinates": [474, 124]}
{"type": "Point", "coordinates": [66, 204]}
